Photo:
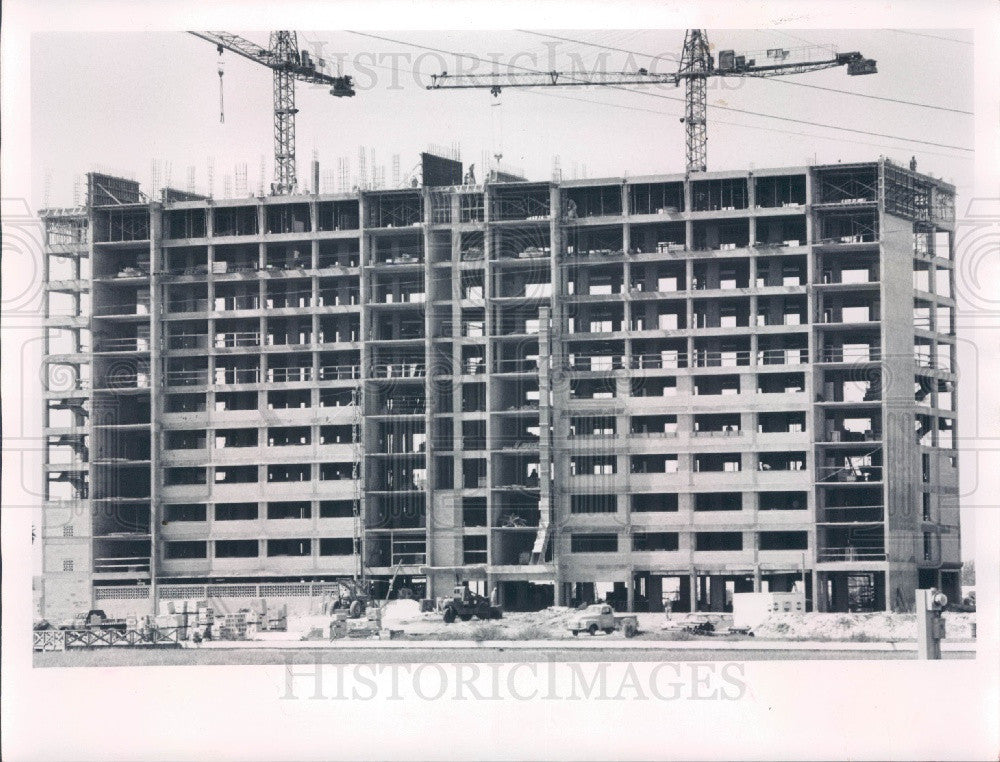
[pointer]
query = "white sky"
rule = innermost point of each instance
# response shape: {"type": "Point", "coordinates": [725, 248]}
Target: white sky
{"type": "Point", "coordinates": [129, 99]}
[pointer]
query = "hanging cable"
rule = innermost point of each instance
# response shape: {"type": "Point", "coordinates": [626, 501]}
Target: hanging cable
{"type": "Point", "coordinates": [222, 111]}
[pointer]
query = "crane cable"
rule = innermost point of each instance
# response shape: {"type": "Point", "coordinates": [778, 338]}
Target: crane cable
{"type": "Point", "coordinates": [222, 110]}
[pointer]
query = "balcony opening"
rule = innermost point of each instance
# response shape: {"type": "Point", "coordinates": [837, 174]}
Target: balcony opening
{"type": "Point", "coordinates": [721, 235]}
{"type": "Point", "coordinates": [781, 423]}
{"type": "Point", "coordinates": [653, 387]}
{"type": "Point", "coordinates": [188, 475]}
{"type": "Point", "coordinates": [780, 383]}
{"type": "Point", "coordinates": [289, 436]}
{"type": "Point", "coordinates": [289, 399]}
{"type": "Point", "coordinates": [593, 465]}
{"type": "Point", "coordinates": [185, 440]}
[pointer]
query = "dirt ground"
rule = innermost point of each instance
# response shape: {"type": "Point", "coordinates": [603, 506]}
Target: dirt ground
{"type": "Point", "coordinates": [552, 624]}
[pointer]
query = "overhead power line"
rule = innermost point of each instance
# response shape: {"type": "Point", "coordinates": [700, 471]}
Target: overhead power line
{"type": "Point", "coordinates": [768, 79]}
{"type": "Point", "coordinates": [669, 98]}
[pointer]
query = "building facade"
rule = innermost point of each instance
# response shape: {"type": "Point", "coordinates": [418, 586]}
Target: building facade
{"type": "Point", "coordinates": [661, 389]}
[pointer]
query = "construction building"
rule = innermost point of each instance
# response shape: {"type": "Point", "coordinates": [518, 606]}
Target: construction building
{"type": "Point", "coordinates": [654, 389]}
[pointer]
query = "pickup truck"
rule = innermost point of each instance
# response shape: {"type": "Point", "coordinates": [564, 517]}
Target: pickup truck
{"type": "Point", "coordinates": [600, 616]}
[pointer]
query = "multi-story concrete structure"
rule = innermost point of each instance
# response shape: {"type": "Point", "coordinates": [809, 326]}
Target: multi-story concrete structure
{"type": "Point", "coordinates": [655, 388]}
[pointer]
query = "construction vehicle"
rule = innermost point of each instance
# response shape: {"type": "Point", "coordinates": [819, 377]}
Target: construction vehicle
{"type": "Point", "coordinates": [96, 619]}
{"type": "Point", "coordinates": [465, 604]}
{"type": "Point", "coordinates": [354, 596]}
{"type": "Point", "coordinates": [697, 64]}
{"type": "Point", "coordinates": [601, 617]}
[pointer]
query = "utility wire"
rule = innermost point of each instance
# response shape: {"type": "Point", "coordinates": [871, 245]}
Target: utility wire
{"type": "Point", "coordinates": [769, 79]}
{"type": "Point", "coordinates": [669, 98]}
{"type": "Point", "coordinates": [931, 36]}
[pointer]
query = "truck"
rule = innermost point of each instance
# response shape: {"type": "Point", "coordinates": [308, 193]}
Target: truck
{"type": "Point", "coordinates": [465, 604]}
{"type": "Point", "coordinates": [601, 617]}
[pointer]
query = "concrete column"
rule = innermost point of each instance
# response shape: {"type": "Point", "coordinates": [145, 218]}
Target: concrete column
{"type": "Point", "coordinates": [717, 592]}
{"type": "Point", "coordinates": [694, 591]}
{"type": "Point", "coordinates": [630, 589]}
{"type": "Point", "coordinates": [654, 592]}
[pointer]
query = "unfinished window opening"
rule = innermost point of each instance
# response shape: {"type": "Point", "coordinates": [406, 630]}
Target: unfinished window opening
{"type": "Point", "coordinates": [185, 440]}
{"type": "Point", "coordinates": [184, 476]}
{"type": "Point", "coordinates": [593, 465]}
{"type": "Point", "coordinates": [656, 502]}
{"type": "Point", "coordinates": [729, 462]}
{"type": "Point", "coordinates": [185, 512]}
{"type": "Point", "coordinates": [336, 509]}
{"type": "Point", "coordinates": [289, 436]}
{"type": "Point", "coordinates": [336, 471]}
{"type": "Point", "coordinates": [593, 504]}
{"type": "Point", "coordinates": [655, 541]}
{"type": "Point", "coordinates": [781, 461]}
{"type": "Point", "coordinates": [718, 501]}
{"type": "Point", "coordinates": [289, 548]}
{"type": "Point", "coordinates": [716, 385]}
{"type": "Point", "coordinates": [594, 543]}
{"type": "Point", "coordinates": [235, 220]}
{"type": "Point", "coordinates": [236, 474]}
{"type": "Point", "coordinates": [656, 198]}
{"type": "Point", "coordinates": [292, 472]}
{"type": "Point", "coordinates": [654, 464]}
{"type": "Point", "coordinates": [291, 509]}
{"type": "Point", "coordinates": [781, 423]}
{"type": "Point", "coordinates": [782, 501]}
{"type": "Point", "coordinates": [394, 210]}
{"type": "Point", "coordinates": [717, 424]}
{"type": "Point", "coordinates": [471, 207]}
{"type": "Point", "coordinates": [600, 201]}
{"type": "Point", "coordinates": [855, 184]}
{"type": "Point", "coordinates": [718, 541]}
{"type": "Point", "coordinates": [780, 191]}
{"type": "Point", "coordinates": [227, 438]}
{"type": "Point", "coordinates": [232, 401]}
{"type": "Point", "coordinates": [521, 202]}
{"type": "Point", "coordinates": [781, 231]}
{"type": "Point", "coordinates": [288, 218]}
{"type": "Point", "coordinates": [716, 195]}
{"type": "Point", "coordinates": [235, 511]}
{"type": "Point", "coordinates": [783, 541]}
{"type": "Point", "coordinates": [289, 399]}
{"type": "Point", "coordinates": [336, 546]}
{"type": "Point", "coordinates": [721, 235]}
{"type": "Point", "coordinates": [237, 548]}
{"type": "Point", "coordinates": [337, 215]}
{"type": "Point", "coordinates": [186, 550]}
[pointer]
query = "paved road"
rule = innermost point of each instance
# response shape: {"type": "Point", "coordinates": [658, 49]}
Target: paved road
{"type": "Point", "coordinates": [217, 656]}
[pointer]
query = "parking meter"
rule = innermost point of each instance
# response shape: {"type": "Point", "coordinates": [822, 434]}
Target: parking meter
{"type": "Point", "coordinates": [930, 623]}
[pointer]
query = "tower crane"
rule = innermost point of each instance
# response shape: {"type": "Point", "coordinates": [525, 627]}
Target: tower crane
{"type": "Point", "coordinates": [696, 65]}
{"type": "Point", "coordinates": [288, 63]}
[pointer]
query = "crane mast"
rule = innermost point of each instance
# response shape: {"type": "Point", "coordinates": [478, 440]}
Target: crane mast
{"type": "Point", "coordinates": [288, 64]}
{"type": "Point", "coordinates": [696, 66]}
